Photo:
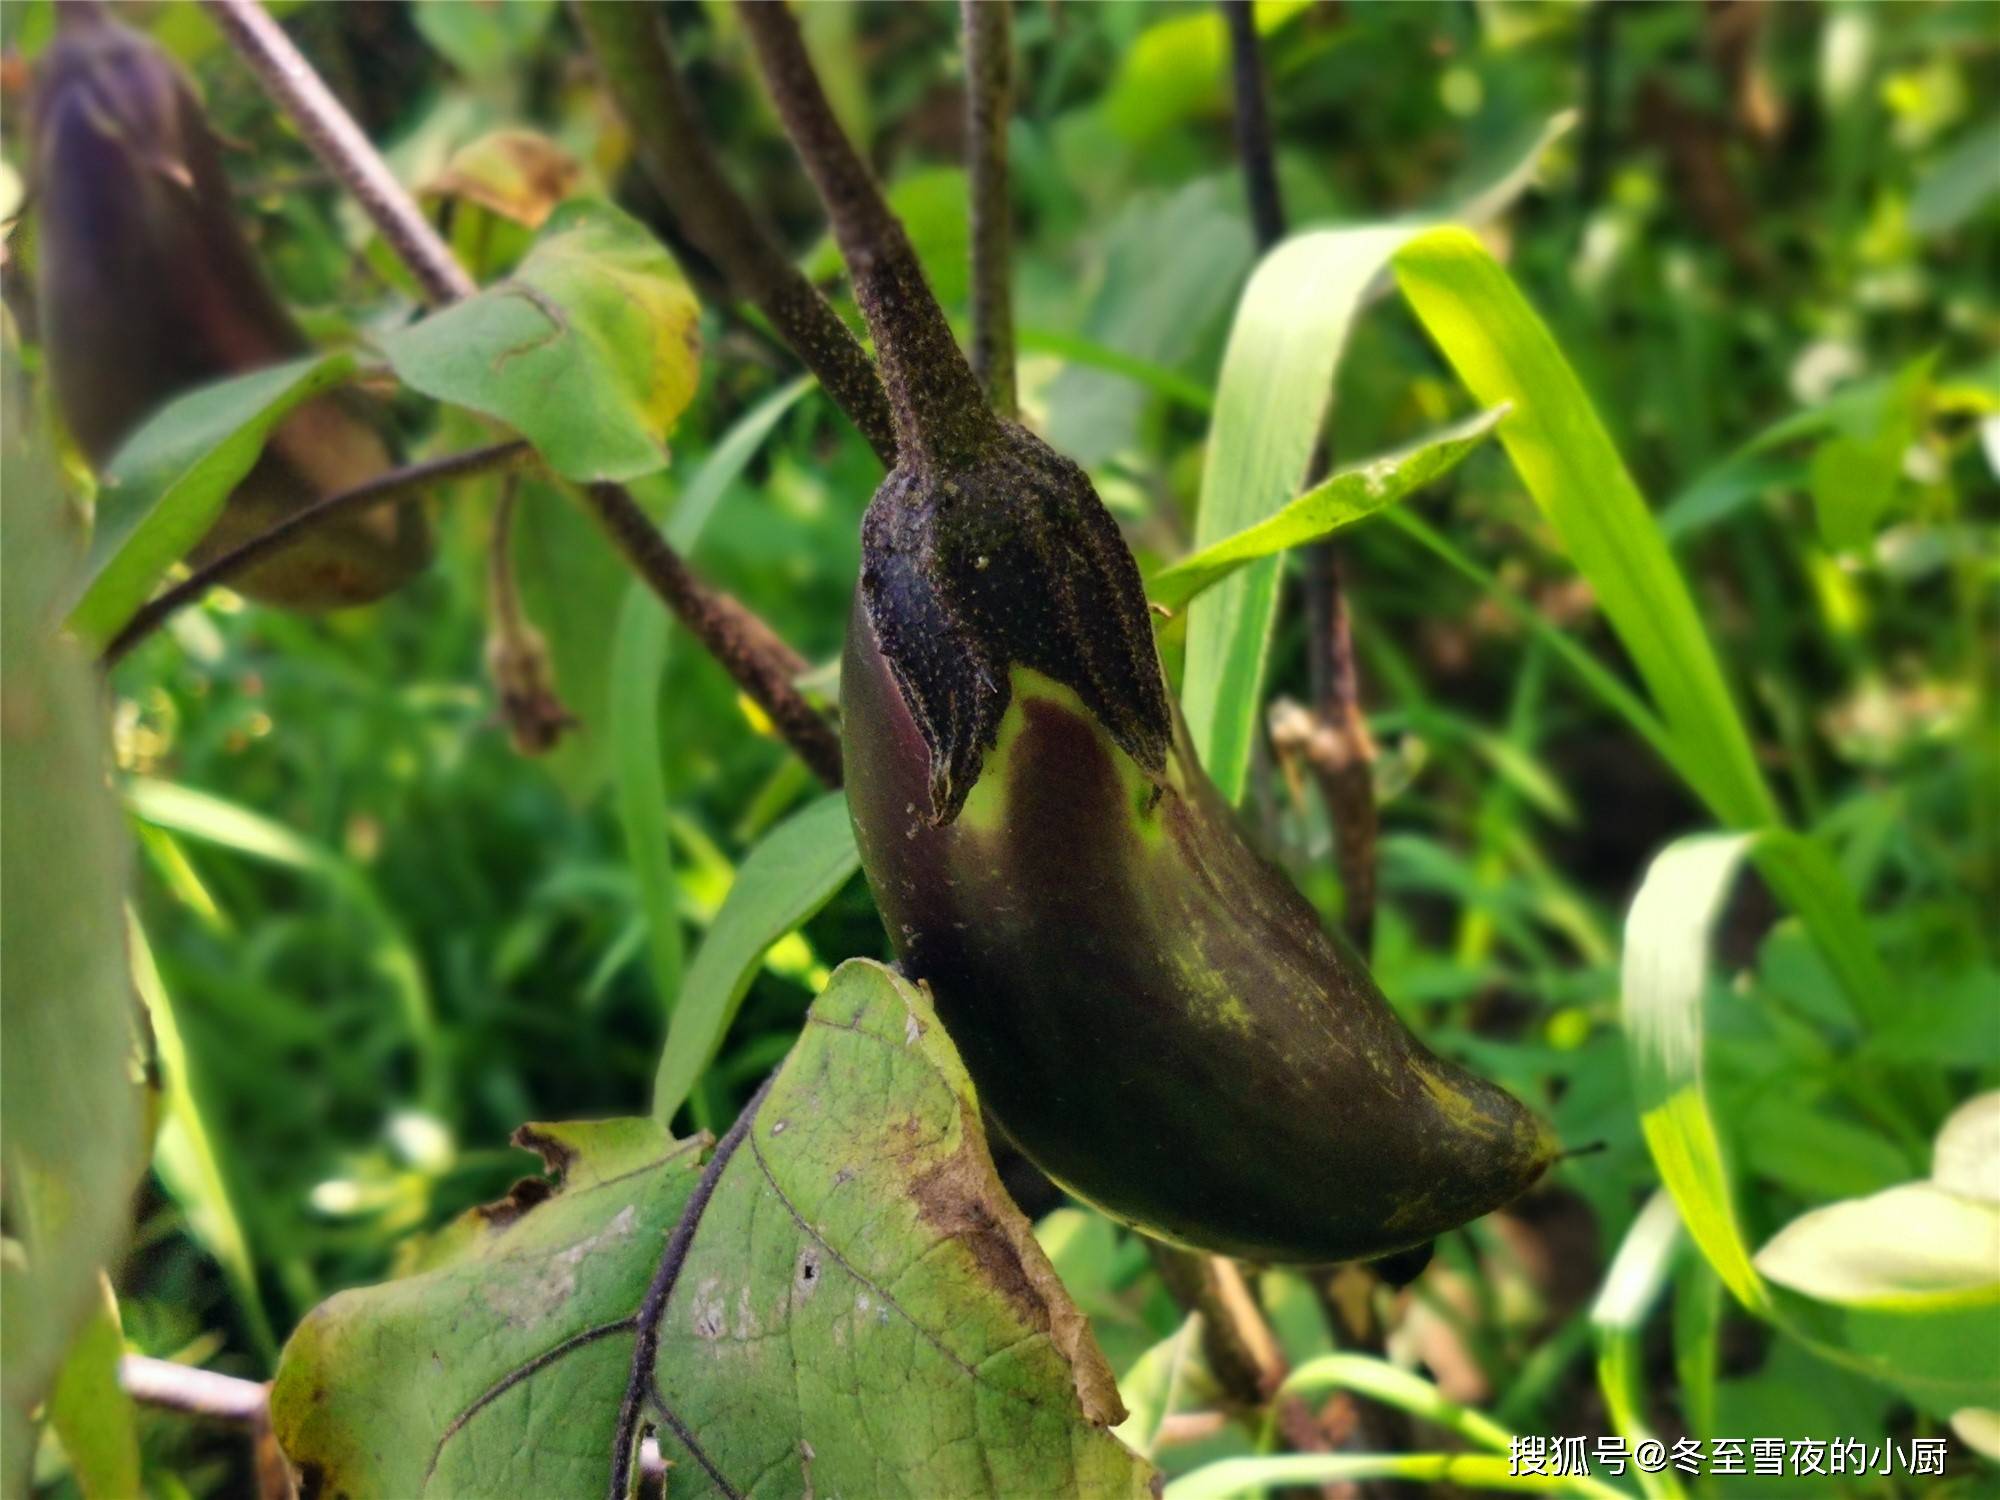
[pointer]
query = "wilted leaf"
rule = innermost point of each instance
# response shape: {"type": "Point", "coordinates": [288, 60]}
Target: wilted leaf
{"type": "Point", "coordinates": [855, 1297]}
{"type": "Point", "coordinates": [518, 174]}
{"type": "Point", "coordinates": [590, 350]}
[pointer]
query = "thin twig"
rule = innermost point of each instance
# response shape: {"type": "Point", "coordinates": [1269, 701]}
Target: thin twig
{"type": "Point", "coordinates": [1339, 747]}
{"type": "Point", "coordinates": [637, 65]}
{"type": "Point", "coordinates": [396, 484]}
{"type": "Point", "coordinates": [941, 413]}
{"type": "Point", "coordinates": [763, 666]}
{"type": "Point", "coordinates": [989, 104]}
{"type": "Point", "coordinates": [341, 146]}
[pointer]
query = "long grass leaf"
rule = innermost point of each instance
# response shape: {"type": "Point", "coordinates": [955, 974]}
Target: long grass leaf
{"type": "Point", "coordinates": [789, 876]}
{"type": "Point", "coordinates": [186, 1156]}
{"type": "Point", "coordinates": [1504, 353]}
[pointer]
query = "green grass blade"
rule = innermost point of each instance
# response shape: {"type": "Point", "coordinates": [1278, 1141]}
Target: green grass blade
{"type": "Point", "coordinates": [1276, 385]}
{"type": "Point", "coordinates": [211, 819]}
{"type": "Point", "coordinates": [185, 1153]}
{"type": "Point", "coordinates": [639, 652]}
{"type": "Point", "coordinates": [1504, 353]}
{"type": "Point", "coordinates": [1259, 1476]}
{"type": "Point", "coordinates": [1664, 983]}
{"type": "Point", "coordinates": [789, 876]}
{"type": "Point", "coordinates": [1638, 1271]}
{"type": "Point", "coordinates": [1156, 378]}
{"type": "Point", "coordinates": [1354, 494]}
{"type": "Point", "coordinates": [1383, 1382]}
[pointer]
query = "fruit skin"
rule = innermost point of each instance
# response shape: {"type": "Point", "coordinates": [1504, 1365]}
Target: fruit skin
{"type": "Point", "coordinates": [148, 289]}
{"type": "Point", "coordinates": [1149, 1009]}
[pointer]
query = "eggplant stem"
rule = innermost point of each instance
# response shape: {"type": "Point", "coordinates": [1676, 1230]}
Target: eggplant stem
{"type": "Point", "coordinates": [941, 414]}
{"type": "Point", "coordinates": [989, 103]}
{"type": "Point", "coordinates": [636, 63]}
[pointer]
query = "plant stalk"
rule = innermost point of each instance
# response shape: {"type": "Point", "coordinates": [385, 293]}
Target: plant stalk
{"type": "Point", "coordinates": [989, 104]}
{"type": "Point", "coordinates": [636, 62]}
{"type": "Point", "coordinates": [763, 666]}
{"type": "Point", "coordinates": [941, 414]}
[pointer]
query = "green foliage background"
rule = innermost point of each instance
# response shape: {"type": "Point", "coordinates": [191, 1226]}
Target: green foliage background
{"type": "Point", "coordinates": [386, 939]}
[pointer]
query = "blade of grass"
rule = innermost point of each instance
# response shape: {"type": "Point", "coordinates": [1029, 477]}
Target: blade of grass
{"type": "Point", "coordinates": [639, 652]}
{"type": "Point", "coordinates": [1638, 1271]}
{"type": "Point", "coordinates": [789, 876]}
{"type": "Point", "coordinates": [1157, 378]}
{"type": "Point", "coordinates": [1504, 353]}
{"type": "Point", "coordinates": [201, 815]}
{"type": "Point", "coordinates": [1271, 400]}
{"type": "Point", "coordinates": [185, 1153]}
{"type": "Point", "coordinates": [1381, 1381]}
{"type": "Point", "coordinates": [1354, 494]}
{"type": "Point", "coordinates": [1258, 1476]}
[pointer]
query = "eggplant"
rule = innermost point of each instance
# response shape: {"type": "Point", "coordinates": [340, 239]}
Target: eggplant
{"type": "Point", "coordinates": [147, 289]}
{"type": "Point", "coordinates": [1150, 1010]}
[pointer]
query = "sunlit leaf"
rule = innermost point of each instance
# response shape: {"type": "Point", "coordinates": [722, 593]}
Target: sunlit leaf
{"type": "Point", "coordinates": [1352, 495]}
{"type": "Point", "coordinates": [590, 350]}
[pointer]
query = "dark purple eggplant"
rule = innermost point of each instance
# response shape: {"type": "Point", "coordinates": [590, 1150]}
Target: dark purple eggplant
{"type": "Point", "coordinates": [148, 289]}
{"type": "Point", "coordinates": [1149, 1009]}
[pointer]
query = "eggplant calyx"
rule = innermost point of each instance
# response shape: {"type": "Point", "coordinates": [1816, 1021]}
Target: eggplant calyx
{"type": "Point", "coordinates": [1007, 558]}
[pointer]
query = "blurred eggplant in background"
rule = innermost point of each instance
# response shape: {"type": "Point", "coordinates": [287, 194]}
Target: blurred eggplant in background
{"type": "Point", "coordinates": [147, 288]}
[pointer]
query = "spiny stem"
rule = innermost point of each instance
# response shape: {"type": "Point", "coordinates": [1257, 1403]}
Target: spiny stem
{"type": "Point", "coordinates": [397, 484]}
{"type": "Point", "coordinates": [941, 414]}
{"type": "Point", "coordinates": [763, 666]}
{"type": "Point", "coordinates": [638, 67]}
{"type": "Point", "coordinates": [340, 144]}
{"type": "Point", "coordinates": [1340, 749]}
{"type": "Point", "coordinates": [989, 102]}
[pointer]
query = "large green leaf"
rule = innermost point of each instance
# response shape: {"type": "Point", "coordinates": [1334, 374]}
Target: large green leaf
{"type": "Point", "coordinates": [167, 484]}
{"type": "Point", "coordinates": [787, 877]}
{"type": "Point", "coordinates": [70, 1111]}
{"type": "Point", "coordinates": [1505, 354]}
{"type": "Point", "coordinates": [590, 350]}
{"type": "Point", "coordinates": [841, 1291]}
{"type": "Point", "coordinates": [1352, 495]}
